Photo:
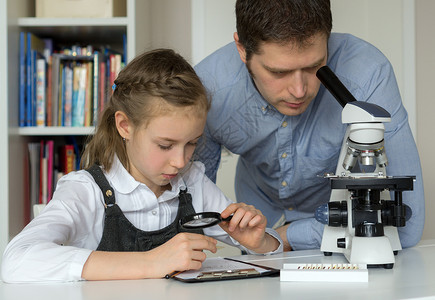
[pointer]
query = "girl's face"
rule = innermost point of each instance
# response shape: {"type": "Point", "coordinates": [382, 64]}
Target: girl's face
{"type": "Point", "coordinates": [157, 152]}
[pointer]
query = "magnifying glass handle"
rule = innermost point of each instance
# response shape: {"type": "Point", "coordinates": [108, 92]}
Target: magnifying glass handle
{"type": "Point", "coordinates": [227, 218]}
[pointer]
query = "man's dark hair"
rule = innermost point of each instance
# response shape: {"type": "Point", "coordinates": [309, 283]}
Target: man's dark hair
{"type": "Point", "coordinates": [281, 21]}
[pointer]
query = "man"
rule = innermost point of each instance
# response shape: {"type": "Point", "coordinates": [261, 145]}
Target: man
{"type": "Point", "coordinates": [269, 107]}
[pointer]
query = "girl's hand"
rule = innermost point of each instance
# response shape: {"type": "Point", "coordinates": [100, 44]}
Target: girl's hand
{"type": "Point", "coordinates": [183, 252]}
{"type": "Point", "coordinates": [248, 227]}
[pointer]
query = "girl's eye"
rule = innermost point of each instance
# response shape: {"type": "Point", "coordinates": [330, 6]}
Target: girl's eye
{"type": "Point", "coordinates": [163, 147]}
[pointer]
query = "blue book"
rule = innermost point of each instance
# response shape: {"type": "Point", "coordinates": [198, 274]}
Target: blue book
{"type": "Point", "coordinates": [22, 92]}
{"type": "Point", "coordinates": [34, 45]}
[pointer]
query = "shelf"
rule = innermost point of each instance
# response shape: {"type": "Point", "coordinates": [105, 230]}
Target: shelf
{"type": "Point", "coordinates": [59, 22]}
{"type": "Point", "coordinates": [87, 30]}
{"type": "Point", "coordinates": [50, 131]}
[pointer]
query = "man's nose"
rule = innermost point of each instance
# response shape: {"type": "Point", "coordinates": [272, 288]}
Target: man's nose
{"type": "Point", "coordinates": [296, 85]}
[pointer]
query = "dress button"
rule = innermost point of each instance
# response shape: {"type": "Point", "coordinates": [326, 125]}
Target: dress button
{"type": "Point", "coordinates": [154, 212]}
{"type": "Point", "coordinates": [284, 155]}
{"type": "Point", "coordinates": [284, 124]}
{"type": "Point", "coordinates": [284, 183]}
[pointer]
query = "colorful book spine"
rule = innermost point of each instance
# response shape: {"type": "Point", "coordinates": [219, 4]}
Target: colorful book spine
{"type": "Point", "coordinates": [40, 92]}
{"type": "Point", "coordinates": [79, 108]}
{"type": "Point", "coordinates": [34, 45]}
{"type": "Point", "coordinates": [68, 96]}
{"type": "Point", "coordinates": [67, 158]}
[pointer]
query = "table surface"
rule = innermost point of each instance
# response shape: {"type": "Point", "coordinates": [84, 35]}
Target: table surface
{"type": "Point", "coordinates": [413, 277]}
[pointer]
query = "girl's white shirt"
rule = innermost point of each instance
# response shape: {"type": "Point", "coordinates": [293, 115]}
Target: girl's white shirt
{"type": "Point", "coordinates": [56, 244]}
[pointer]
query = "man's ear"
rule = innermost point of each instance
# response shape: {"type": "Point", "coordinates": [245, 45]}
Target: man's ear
{"type": "Point", "coordinates": [240, 48]}
{"type": "Point", "coordinates": [123, 125]}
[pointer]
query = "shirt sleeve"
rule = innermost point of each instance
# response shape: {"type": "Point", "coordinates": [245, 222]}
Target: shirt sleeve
{"type": "Point", "coordinates": [56, 244]}
{"type": "Point", "coordinates": [305, 234]}
{"type": "Point", "coordinates": [401, 150]}
{"type": "Point", "coordinates": [208, 152]}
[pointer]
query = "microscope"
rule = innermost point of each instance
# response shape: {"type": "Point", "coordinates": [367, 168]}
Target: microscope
{"type": "Point", "coordinates": [361, 219]}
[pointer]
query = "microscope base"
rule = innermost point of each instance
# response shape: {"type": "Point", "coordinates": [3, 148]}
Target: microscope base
{"type": "Point", "coordinates": [372, 251]}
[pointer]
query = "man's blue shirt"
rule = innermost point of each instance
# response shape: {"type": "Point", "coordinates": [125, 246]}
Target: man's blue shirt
{"type": "Point", "coordinates": [282, 156]}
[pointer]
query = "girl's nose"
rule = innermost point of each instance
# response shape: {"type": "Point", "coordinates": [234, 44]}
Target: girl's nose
{"type": "Point", "coordinates": [178, 160]}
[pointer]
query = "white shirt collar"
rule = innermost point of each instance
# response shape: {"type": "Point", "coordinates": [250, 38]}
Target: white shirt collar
{"type": "Point", "coordinates": [123, 182]}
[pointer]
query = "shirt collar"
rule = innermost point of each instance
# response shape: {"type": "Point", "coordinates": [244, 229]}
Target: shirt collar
{"type": "Point", "coordinates": [124, 183]}
{"type": "Point", "coordinates": [262, 104]}
{"type": "Point", "coordinates": [119, 177]}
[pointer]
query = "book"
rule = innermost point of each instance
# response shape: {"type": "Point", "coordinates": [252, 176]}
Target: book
{"type": "Point", "coordinates": [67, 159]}
{"type": "Point", "coordinates": [34, 45]}
{"type": "Point", "coordinates": [88, 94]}
{"type": "Point", "coordinates": [96, 88]}
{"type": "Point", "coordinates": [67, 95]}
{"type": "Point", "coordinates": [40, 92]}
{"type": "Point", "coordinates": [55, 66]}
{"type": "Point", "coordinates": [34, 169]}
{"type": "Point", "coordinates": [23, 75]}
{"type": "Point", "coordinates": [102, 87]}
{"type": "Point", "coordinates": [49, 102]}
{"type": "Point", "coordinates": [50, 168]}
{"type": "Point", "coordinates": [79, 105]}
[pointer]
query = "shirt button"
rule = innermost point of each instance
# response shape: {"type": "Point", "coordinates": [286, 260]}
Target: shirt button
{"type": "Point", "coordinates": [284, 155]}
{"type": "Point", "coordinates": [154, 212]}
{"type": "Point", "coordinates": [284, 183]}
{"type": "Point", "coordinates": [263, 108]}
{"type": "Point", "coordinates": [284, 124]}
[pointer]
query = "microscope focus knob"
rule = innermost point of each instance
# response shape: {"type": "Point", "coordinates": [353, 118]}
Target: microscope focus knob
{"type": "Point", "coordinates": [333, 214]}
{"type": "Point", "coordinates": [369, 229]}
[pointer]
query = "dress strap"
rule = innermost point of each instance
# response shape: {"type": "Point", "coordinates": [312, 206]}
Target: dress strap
{"type": "Point", "coordinates": [100, 179]}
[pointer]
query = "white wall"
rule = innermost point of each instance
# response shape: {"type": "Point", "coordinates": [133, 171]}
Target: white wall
{"type": "Point", "coordinates": [425, 62]}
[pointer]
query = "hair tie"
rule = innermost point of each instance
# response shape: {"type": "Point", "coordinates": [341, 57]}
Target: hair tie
{"type": "Point", "coordinates": [114, 87]}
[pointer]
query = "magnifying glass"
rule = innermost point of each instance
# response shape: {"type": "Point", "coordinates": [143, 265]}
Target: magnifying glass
{"type": "Point", "coordinates": [202, 220]}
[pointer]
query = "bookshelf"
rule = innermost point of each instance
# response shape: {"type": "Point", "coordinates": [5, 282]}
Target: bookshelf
{"type": "Point", "coordinates": [184, 25]}
{"type": "Point", "coordinates": [17, 16]}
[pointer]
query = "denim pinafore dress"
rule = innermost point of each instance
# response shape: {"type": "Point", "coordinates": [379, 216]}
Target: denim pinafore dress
{"type": "Point", "coordinates": [120, 235]}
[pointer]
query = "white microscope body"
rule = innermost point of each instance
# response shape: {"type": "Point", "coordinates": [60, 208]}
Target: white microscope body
{"type": "Point", "coordinates": [360, 218]}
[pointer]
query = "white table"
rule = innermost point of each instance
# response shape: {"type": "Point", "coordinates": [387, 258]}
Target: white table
{"type": "Point", "coordinates": [412, 277]}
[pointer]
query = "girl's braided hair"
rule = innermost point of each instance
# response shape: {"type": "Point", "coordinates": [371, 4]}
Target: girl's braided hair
{"type": "Point", "coordinates": [148, 86]}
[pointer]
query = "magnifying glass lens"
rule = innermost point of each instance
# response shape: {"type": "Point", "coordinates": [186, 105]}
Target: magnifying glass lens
{"type": "Point", "coordinates": [200, 223]}
{"type": "Point", "coordinates": [202, 220]}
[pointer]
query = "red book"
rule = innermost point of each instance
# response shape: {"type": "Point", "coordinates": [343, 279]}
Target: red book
{"type": "Point", "coordinates": [102, 87]}
{"type": "Point", "coordinates": [67, 158]}
{"type": "Point", "coordinates": [41, 171]}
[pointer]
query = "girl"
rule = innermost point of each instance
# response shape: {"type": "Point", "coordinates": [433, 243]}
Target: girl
{"type": "Point", "coordinates": [118, 218]}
